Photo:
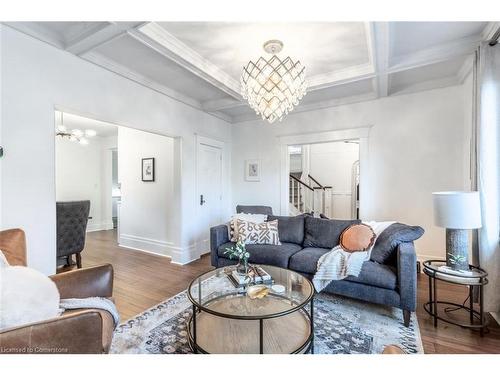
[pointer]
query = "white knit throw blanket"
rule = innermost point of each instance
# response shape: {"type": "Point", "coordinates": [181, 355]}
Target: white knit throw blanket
{"type": "Point", "coordinates": [91, 303]}
{"type": "Point", "coordinates": [338, 264]}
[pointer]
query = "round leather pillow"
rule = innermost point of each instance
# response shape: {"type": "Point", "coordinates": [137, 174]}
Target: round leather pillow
{"type": "Point", "coordinates": [357, 237]}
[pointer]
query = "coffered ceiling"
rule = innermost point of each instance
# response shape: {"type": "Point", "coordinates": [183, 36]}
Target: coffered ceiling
{"type": "Point", "coordinates": [199, 63]}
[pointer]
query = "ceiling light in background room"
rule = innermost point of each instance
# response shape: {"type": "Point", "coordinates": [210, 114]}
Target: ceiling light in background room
{"type": "Point", "coordinates": [74, 135]}
{"type": "Point", "coordinates": [273, 87]}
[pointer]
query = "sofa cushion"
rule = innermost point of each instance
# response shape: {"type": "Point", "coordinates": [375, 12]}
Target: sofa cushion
{"type": "Point", "coordinates": [375, 274]}
{"type": "Point", "coordinates": [274, 255]}
{"type": "Point", "coordinates": [290, 228]}
{"type": "Point", "coordinates": [306, 260]}
{"type": "Point", "coordinates": [324, 232]}
{"type": "Point", "coordinates": [357, 237]}
{"type": "Point", "coordinates": [257, 233]}
{"type": "Point", "coordinates": [384, 250]}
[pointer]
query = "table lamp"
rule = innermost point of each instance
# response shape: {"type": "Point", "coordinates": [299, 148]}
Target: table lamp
{"type": "Point", "coordinates": [457, 211]}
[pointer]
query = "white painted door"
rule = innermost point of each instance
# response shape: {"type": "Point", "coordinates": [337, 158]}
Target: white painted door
{"type": "Point", "coordinates": [209, 187]}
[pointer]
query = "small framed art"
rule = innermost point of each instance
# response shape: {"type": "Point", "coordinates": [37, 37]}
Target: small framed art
{"type": "Point", "coordinates": [252, 170]}
{"type": "Point", "coordinates": [148, 169]}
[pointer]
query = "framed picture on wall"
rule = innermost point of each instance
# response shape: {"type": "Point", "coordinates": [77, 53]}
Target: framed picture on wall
{"type": "Point", "coordinates": [252, 170]}
{"type": "Point", "coordinates": [148, 169]}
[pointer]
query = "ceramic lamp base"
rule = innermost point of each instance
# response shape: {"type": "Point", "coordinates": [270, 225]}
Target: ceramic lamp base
{"type": "Point", "coordinates": [457, 249]}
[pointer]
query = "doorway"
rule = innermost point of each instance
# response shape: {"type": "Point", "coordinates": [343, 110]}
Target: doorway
{"type": "Point", "coordinates": [358, 173]}
{"type": "Point", "coordinates": [324, 179]}
{"type": "Point", "coordinates": [103, 163]}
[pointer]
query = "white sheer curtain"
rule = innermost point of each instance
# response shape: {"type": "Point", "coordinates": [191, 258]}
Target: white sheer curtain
{"type": "Point", "coordinates": [487, 168]}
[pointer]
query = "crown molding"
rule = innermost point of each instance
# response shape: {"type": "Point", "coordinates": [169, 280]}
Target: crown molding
{"type": "Point", "coordinates": [119, 69]}
{"type": "Point", "coordinates": [157, 38]}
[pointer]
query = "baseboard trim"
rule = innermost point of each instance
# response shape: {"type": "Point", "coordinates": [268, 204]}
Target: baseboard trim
{"type": "Point", "coordinates": [148, 245]}
{"type": "Point", "coordinates": [99, 226]}
{"type": "Point", "coordinates": [178, 255]}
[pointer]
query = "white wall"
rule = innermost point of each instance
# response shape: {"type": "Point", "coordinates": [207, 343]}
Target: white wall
{"type": "Point", "coordinates": [331, 165]}
{"type": "Point", "coordinates": [36, 79]}
{"type": "Point", "coordinates": [147, 212]}
{"type": "Point", "coordinates": [416, 146]}
{"type": "Point", "coordinates": [81, 174]}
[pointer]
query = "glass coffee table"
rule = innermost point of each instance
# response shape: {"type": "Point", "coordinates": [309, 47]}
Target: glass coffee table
{"type": "Point", "coordinates": [225, 320]}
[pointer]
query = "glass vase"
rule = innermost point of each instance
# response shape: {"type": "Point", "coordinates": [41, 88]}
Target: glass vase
{"type": "Point", "coordinates": [242, 267]}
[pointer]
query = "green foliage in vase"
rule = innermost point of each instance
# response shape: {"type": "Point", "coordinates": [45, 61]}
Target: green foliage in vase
{"type": "Point", "coordinates": [239, 252]}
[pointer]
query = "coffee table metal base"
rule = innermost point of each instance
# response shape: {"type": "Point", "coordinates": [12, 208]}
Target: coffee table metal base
{"type": "Point", "coordinates": [290, 333]}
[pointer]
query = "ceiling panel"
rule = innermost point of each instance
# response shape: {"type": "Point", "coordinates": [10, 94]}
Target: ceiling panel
{"type": "Point", "coordinates": [141, 59]}
{"type": "Point", "coordinates": [321, 47]}
{"type": "Point", "coordinates": [409, 37]}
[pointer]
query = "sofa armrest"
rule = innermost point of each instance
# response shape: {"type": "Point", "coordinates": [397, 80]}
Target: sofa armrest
{"type": "Point", "coordinates": [85, 282]}
{"type": "Point", "coordinates": [218, 236]}
{"type": "Point", "coordinates": [78, 332]}
{"type": "Point", "coordinates": [407, 275]}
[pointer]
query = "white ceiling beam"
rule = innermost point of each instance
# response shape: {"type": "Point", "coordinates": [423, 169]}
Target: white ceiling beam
{"type": "Point", "coordinates": [38, 31]}
{"type": "Point", "coordinates": [381, 50]}
{"type": "Point", "coordinates": [90, 41]}
{"type": "Point", "coordinates": [157, 38]}
{"type": "Point", "coordinates": [314, 106]}
{"type": "Point", "coordinates": [220, 104]}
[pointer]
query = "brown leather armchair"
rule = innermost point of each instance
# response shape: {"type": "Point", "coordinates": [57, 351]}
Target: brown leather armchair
{"type": "Point", "coordinates": [75, 331]}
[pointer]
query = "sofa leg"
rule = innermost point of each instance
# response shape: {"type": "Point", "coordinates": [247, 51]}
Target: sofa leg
{"type": "Point", "coordinates": [406, 317]}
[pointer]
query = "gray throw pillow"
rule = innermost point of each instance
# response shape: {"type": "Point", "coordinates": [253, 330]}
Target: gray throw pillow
{"type": "Point", "coordinates": [290, 228]}
{"type": "Point", "coordinates": [384, 250]}
{"type": "Point", "coordinates": [324, 232]}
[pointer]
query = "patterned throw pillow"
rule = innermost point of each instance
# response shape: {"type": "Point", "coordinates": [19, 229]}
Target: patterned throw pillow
{"type": "Point", "coordinates": [258, 233]}
{"type": "Point", "coordinates": [254, 218]}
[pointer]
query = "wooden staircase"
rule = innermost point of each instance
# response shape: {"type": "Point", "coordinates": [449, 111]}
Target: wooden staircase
{"type": "Point", "coordinates": [307, 195]}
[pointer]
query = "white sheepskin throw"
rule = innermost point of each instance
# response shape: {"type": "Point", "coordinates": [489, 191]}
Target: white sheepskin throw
{"type": "Point", "coordinates": [3, 260]}
{"type": "Point", "coordinates": [26, 296]}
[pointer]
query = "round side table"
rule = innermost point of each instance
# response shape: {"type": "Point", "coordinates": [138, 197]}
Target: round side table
{"type": "Point", "coordinates": [476, 278]}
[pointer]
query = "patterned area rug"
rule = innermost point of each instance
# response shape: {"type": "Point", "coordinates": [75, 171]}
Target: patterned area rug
{"type": "Point", "coordinates": [342, 326]}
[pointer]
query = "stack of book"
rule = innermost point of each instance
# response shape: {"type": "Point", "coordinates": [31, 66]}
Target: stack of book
{"type": "Point", "coordinates": [256, 275]}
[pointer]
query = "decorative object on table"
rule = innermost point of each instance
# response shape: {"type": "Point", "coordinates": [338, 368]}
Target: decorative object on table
{"type": "Point", "coordinates": [457, 211]}
{"type": "Point", "coordinates": [148, 169]}
{"type": "Point", "coordinates": [258, 233]}
{"type": "Point", "coordinates": [252, 170]}
{"type": "Point", "coordinates": [257, 291]}
{"type": "Point", "coordinates": [254, 275]}
{"type": "Point", "coordinates": [239, 252]}
{"type": "Point", "coordinates": [273, 86]}
{"type": "Point", "coordinates": [73, 135]}
{"type": "Point", "coordinates": [474, 278]}
{"type": "Point", "coordinates": [357, 237]}
{"type": "Point", "coordinates": [278, 288]}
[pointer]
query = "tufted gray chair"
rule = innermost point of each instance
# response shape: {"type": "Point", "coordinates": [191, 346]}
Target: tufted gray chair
{"type": "Point", "coordinates": [72, 220]}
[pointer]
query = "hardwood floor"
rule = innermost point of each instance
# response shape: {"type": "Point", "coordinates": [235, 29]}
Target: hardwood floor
{"type": "Point", "coordinates": [143, 280]}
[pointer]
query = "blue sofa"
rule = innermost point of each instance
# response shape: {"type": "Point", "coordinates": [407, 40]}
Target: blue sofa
{"type": "Point", "coordinates": [389, 278]}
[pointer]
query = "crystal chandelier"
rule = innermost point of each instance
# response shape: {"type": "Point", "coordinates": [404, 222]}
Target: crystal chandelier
{"type": "Point", "coordinates": [74, 135]}
{"type": "Point", "coordinates": [273, 87]}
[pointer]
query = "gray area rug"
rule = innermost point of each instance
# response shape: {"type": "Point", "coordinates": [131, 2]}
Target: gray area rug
{"type": "Point", "coordinates": [342, 326]}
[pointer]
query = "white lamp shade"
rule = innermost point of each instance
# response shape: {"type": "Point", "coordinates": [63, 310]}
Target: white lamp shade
{"type": "Point", "coordinates": [457, 209]}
